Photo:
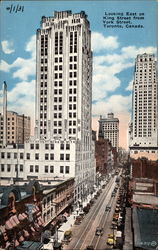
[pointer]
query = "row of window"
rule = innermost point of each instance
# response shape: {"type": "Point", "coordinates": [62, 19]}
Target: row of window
{"type": "Point", "coordinates": [7, 168]}
{"type": "Point", "coordinates": [47, 169]}
{"type": "Point", "coordinates": [50, 169]}
{"type": "Point", "coordinates": [46, 156]}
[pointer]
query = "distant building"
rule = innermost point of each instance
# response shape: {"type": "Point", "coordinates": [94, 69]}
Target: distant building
{"type": "Point", "coordinates": [110, 129]}
{"type": "Point", "coordinates": [106, 156]}
{"type": "Point", "coordinates": [144, 125]}
{"type": "Point", "coordinates": [18, 128]}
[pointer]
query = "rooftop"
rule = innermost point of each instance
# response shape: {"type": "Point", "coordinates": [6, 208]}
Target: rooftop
{"type": "Point", "coordinates": [145, 199]}
{"type": "Point", "coordinates": [145, 228]}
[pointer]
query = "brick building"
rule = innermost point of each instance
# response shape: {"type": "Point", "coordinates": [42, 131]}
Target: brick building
{"type": "Point", "coordinates": [18, 128]}
{"type": "Point", "coordinates": [106, 156]}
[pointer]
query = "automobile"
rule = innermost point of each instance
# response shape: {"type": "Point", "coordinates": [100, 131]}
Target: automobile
{"type": "Point", "coordinates": [67, 236]}
{"type": "Point", "coordinates": [99, 231]}
{"type": "Point", "coordinates": [111, 240]}
{"type": "Point", "coordinates": [92, 201]}
{"type": "Point", "coordinates": [115, 217]}
{"type": "Point", "coordinates": [114, 223]}
{"type": "Point", "coordinates": [115, 189]}
{"type": "Point", "coordinates": [113, 194]}
{"type": "Point", "coordinates": [89, 248]}
{"type": "Point", "coordinates": [113, 226]}
{"type": "Point", "coordinates": [117, 210]}
{"type": "Point", "coordinates": [108, 208]}
{"type": "Point", "coordinates": [86, 209]}
{"type": "Point", "coordinates": [78, 220]}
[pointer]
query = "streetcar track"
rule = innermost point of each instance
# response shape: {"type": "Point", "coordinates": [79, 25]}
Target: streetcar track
{"type": "Point", "coordinates": [104, 223]}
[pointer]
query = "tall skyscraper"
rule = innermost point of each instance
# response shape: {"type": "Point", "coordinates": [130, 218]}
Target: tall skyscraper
{"type": "Point", "coordinates": [64, 93]}
{"type": "Point", "coordinates": [64, 77]}
{"type": "Point", "coordinates": [144, 128]}
{"type": "Point", "coordinates": [109, 128]}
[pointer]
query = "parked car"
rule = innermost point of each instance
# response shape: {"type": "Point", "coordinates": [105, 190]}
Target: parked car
{"type": "Point", "coordinates": [78, 220]}
{"type": "Point", "coordinates": [111, 240]}
{"type": "Point", "coordinates": [86, 209]}
{"type": "Point", "coordinates": [113, 194]}
{"type": "Point", "coordinates": [113, 226]}
{"type": "Point", "coordinates": [99, 231]}
{"type": "Point", "coordinates": [67, 235]}
{"type": "Point", "coordinates": [117, 210]}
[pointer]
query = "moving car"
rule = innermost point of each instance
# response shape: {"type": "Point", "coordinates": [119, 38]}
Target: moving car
{"type": "Point", "coordinates": [99, 231]}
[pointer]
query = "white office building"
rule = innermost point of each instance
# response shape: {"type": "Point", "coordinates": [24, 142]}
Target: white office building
{"type": "Point", "coordinates": [144, 126]}
{"type": "Point", "coordinates": [109, 128]}
{"type": "Point", "coordinates": [62, 145]}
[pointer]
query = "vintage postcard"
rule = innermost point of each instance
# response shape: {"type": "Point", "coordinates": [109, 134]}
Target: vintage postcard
{"type": "Point", "coordinates": [78, 125]}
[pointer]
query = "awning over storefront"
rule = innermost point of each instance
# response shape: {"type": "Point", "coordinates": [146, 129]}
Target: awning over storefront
{"type": "Point", "coordinates": [13, 223]}
{"type": "Point", "coordinates": [30, 245]}
{"type": "Point", "coordinates": [21, 217]}
{"type": "Point", "coordinates": [24, 215]}
{"type": "Point", "coordinates": [41, 220]}
{"type": "Point", "coordinates": [2, 229]}
{"type": "Point", "coordinates": [8, 225]}
{"type": "Point", "coordinates": [14, 220]}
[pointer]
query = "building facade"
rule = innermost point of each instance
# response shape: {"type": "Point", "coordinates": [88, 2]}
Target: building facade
{"type": "Point", "coordinates": [144, 127]}
{"type": "Point", "coordinates": [62, 145]}
{"type": "Point", "coordinates": [106, 157]}
{"type": "Point", "coordinates": [18, 128]}
{"type": "Point", "coordinates": [109, 127]}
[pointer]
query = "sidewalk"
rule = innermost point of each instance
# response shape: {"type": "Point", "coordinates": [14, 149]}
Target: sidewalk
{"type": "Point", "coordinates": [65, 226]}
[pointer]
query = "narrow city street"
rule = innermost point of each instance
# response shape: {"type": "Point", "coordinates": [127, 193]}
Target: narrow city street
{"type": "Point", "coordinates": [83, 235]}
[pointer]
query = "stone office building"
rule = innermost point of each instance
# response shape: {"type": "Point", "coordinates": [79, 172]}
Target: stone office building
{"type": "Point", "coordinates": [143, 131]}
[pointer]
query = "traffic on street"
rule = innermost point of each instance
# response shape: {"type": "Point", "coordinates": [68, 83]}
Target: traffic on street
{"type": "Point", "coordinates": [101, 226]}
